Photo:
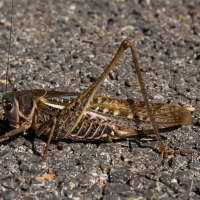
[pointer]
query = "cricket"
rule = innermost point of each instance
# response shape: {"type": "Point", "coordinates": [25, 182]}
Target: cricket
{"type": "Point", "coordinates": [91, 117]}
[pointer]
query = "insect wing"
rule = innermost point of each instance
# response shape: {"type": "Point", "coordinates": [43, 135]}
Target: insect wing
{"type": "Point", "coordinates": [130, 112]}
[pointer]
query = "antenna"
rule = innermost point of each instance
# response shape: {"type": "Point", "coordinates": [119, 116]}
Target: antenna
{"type": "Point", "coordinates": [8, 53]}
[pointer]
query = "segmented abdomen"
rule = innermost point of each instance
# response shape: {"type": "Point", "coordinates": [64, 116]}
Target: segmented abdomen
{"type": "Point", "coordinates": [91, 129]}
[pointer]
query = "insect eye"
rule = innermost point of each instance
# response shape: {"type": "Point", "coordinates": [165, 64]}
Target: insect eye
{"type": "Point", "coordinates": [9, 106]}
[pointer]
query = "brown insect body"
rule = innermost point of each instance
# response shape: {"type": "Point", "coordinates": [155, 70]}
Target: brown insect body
{"type": "Point", "coordinates": [86, 117]}
{"type": "Point", "coordinates": [106, 118]}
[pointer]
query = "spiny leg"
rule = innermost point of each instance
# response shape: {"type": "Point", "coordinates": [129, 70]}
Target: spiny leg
{"type": "Point", "coordinates": [21, 129]}
{"type": "Point", "coordinates": [50, 123]}
{"type": "Point", "coordinates": [89, 93]}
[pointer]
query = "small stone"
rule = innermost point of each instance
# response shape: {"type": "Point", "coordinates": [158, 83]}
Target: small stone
{"type": "Point", "coordinates": [194, 165]}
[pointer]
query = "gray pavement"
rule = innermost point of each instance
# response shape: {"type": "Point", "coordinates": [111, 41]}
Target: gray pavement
{"type": "Point", "coordinates": [66, 45]}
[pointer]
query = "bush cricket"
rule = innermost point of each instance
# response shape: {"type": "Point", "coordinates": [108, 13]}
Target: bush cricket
{"type": "Point", "coordinates": [89, 117]}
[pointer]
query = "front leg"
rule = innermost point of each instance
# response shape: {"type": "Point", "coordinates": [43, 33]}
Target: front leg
{"type": "Point", "coordinates": [50, 124]}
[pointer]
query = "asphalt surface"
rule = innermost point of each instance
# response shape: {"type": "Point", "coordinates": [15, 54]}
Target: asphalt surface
{"type": "Point", "coordinates": [65, 46]}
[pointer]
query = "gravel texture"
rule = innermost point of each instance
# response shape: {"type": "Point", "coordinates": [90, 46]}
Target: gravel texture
{"type": "Point", "coordinates": [65, 45]}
